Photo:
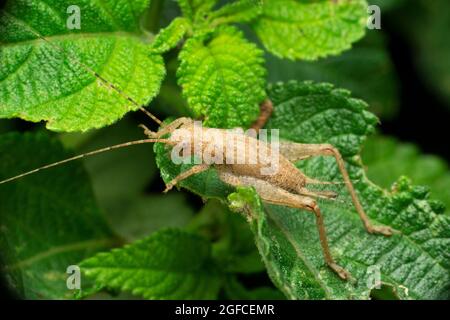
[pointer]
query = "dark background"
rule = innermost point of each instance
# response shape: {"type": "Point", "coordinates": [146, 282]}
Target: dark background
{"type": "Point", "coordinates": [423, 117]}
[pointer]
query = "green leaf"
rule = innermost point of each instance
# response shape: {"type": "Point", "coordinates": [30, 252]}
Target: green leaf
{"type": "Point", "coordinates": [169, 37]}
{"type": "Point", "coordinates": [387, 158]}
{"type": "Point", "coordinates": [193, 9]}
{"type": "Point", "coordinates": [49, 220]}
{"type": "Point", "coordinates": [44, 80]}
{"type": "Point", "coordinates": [306, 29]}
{"type": "Point", "coordinates": [223, 78]}
{"type": "Point", "coordinates": [170, 264]}
{"type": "Point", "coordinates": [414, 262]}
{"type": "Point", "coordinates": [238, 11]}
{"type": "Point", "coordinates": [349, 70]}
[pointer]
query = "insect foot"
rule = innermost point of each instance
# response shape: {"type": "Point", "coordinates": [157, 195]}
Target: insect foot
{"type": "Point", "coordinates": [148, 132]}
{"type": "Point", "coordinates": [169, 187]}
{"type": "Point", "coordinates": [341, 272]}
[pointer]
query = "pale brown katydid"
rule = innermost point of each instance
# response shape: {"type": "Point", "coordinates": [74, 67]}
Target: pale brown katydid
{"type": "Point", "coordinates": [286, 186]}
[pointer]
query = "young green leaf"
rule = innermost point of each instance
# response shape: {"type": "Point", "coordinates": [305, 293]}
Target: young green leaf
{"type": "Point", "coordinates": [223, 78]}
{"type": "Point", "coordinates": [387, 158]}
{"type": "Point", "coordinates": [49, 221]}
{"type": "Point", "coordinates": [309, 29]}
{"type": "Point", "coordinates": [44, 80]}
{"type": "Point", "coordinates": [415, 262]}
{"type": "Point", "coordinates": [169, 37]}
{"type": "Point", "coordinates": [238, 11]}
{"type": "Point", "coordinates": [169, 264]}
{"type": "Point", "coordinates": [192, 9]}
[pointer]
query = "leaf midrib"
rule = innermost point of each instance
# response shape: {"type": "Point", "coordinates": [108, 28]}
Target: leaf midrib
{"type": "Point", "coordinates": [150, 269]}
{"type": "Point", "coordinates": [331, 16]}
{"type": "Point", "coordinates": [74, 37]}
{"type": "Point", "coordinates": [76, 246]}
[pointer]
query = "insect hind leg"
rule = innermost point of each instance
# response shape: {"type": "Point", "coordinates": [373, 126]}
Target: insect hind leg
{"type": "Point", "coordinates": [310, 150]}
{"type": "Point", "coordinates": [279, 196]}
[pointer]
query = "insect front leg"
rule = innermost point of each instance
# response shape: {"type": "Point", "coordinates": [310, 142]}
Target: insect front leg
{"type": "Point", "coordinates": [149, 133]}
{"type": "Point", "coordinates": [169, 128]}
{"type": "Point", "coordinates": [192, 171]}
{"type": "Point", "coordinates": [275, 195]}
{"type": "Point", "coordinates": [308, 150]}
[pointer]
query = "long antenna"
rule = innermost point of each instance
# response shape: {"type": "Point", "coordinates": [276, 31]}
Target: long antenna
{"type": "Point", "coordinates": [92, 72]}
{"type": "Point", "coordinates": [118, 146]}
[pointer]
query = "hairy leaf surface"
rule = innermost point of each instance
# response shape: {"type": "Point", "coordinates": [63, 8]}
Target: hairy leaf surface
{"type": "Point", "coordinates": [223, 78]}
{"type": "Point", "coordinates": [237, 11]}
{"type": "Point", "coordinates": [50, 81]}
{"type": "Point", "coordinates": [307, 29]}
{"type": "Point", "coordinates": [169, 37]}
{"type": "Point", "coordinates": [170, 264]}
{"type": "Point", "coordinates": [192, 9]}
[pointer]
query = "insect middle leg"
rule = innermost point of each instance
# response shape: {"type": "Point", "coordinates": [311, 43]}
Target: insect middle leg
{"type": "Point", "coordinates": [308, 150]}
{"type": "Point", "coordinates": [266, 109]}
{"type": "Point", "coordinates": [279, 196]}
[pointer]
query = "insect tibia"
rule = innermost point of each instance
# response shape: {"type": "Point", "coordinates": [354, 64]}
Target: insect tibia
{"type": "Point", "coordinates": [84, 155]}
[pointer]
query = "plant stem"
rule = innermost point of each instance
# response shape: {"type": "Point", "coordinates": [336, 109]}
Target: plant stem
{"type": "Point", "coordinates": [154, 15]}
